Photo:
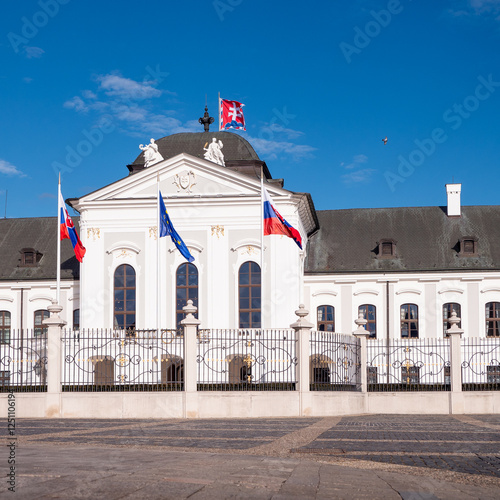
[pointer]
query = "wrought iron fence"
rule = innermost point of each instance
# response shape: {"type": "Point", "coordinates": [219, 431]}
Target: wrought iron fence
{"type": "Point", "coordinates": [408, 365]}
{"type": "Point", "coordinates": [23, 361]}
{"type": "Point", "coordinates": [334, 362]}
{"type": "Point", "coordinates": [246, 360]}
{"type": "Point", "coordinates": [481, 364]}
{"type": "Point", "coordinates": [123, 360]}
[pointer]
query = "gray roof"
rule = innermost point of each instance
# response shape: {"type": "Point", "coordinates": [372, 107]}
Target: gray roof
{"type": "Point", "coordinates": [39, 233]}
{"type": "Point", "coordinates": [235, 147]}
{"type": "Point", "coordinates": [426, 240]}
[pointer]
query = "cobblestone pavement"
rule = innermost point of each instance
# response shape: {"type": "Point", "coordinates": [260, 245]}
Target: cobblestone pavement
{"type": "Point", "coordinates": [370, 456]}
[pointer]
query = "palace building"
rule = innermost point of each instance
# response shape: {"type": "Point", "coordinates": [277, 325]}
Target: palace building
{"type": "Point", "coordinates": [404, 269]}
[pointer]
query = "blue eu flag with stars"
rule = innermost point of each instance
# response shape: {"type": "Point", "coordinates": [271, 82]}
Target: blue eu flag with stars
{"type": "Point", "coordinates": [166, 228]}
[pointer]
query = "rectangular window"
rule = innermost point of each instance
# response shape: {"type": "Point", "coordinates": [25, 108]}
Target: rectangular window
{"type": "Point", "coordinates": [410, 374]}
{"type": "Point", "coordinates": [409, 321]}
{"type": "Point", "coordinates": [493, 374]}
{"type": "Point", "coordinates": [372, 374]}
{"type": "Point", "coordinates": [4, 327]}
{"type": "Point", "coordinates": [4, 378]}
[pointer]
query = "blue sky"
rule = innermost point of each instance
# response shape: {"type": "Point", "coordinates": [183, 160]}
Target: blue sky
{"type": "Point", "coordinates": [323, 83]}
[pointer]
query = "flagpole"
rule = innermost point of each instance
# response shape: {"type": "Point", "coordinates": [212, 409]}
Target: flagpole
{"type": "Point", "coordinates": [218, 116]}
{"type": "Point", "coordinates": [58, 273]}
{"type": "Point", "coordinates": [261, 246]}
{"type": "Point", "coordinates": [158, 252]}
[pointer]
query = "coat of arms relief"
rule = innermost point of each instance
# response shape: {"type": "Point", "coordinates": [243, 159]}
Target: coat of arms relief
{"type": "Point", "coordinates": [185, 181]}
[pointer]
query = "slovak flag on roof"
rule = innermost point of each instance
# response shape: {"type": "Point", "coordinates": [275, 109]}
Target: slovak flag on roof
{"type": "Point", "coordinates": [68, 230]}
{"type": "Point", "coordinates": [231, 115]}
{"type": "Point", "coordinates": [275, 224]}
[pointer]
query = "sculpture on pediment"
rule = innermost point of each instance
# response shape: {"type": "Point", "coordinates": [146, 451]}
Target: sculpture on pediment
{"type": "Point", "coordinates": [214, 152]}
{"type": "Point", "coordinates": [151, 153]}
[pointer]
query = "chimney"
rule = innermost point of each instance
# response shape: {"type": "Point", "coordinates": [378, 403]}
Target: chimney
{"type": "Point", "coordinates": [453, 193]}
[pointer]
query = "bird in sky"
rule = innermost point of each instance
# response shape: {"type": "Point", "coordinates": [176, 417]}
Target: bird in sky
{"type": "Point", "coordinates": [384, 140]}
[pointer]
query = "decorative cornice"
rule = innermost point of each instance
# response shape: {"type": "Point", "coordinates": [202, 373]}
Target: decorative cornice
{"type": "Point", "coordinates": [372, 292]}
{"type": "Point", "coordinates": [41, 297]}
{"type": "Point", "coordinates": [246, 243]}
{"type": "Point", "coordinates": [409, 290]}
{"type": "Point", "coordinates": [124, 245]}
{"type": "Point", "coordinates": [324, 292]}
{"type": "Point", "coordinates": [451, 290]}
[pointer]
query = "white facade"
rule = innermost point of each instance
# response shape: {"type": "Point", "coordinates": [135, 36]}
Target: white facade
{"type": "Point", "coordinates": [219, 219]}
{"type": "Point", "coordinates": [388, 292]}
{"type": "Point", "coordinates": [217, 212]}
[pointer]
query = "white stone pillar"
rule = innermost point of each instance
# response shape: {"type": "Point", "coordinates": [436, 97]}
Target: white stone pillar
{"type": "Point", "coordinates": [302, 327]}
{"type": "Point", "coordinates": [190, 324]}
{"type": "Point", "coordinates": [54, 361]}
{"type": "Point", "coordinates": [455, 334]}
{"type": "Point", "coordinates": [362, 335]}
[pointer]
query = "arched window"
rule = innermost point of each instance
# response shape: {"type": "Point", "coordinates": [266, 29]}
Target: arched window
{"type": "Point", "coordinates": [447, 310]}
{"type": "Point", "coordinates": [39, 317]}
{"type": "Point", "coordinates": [370, 314]}
{"type": "Point", "coordinates": [493, 319]}
{"type": "Point", "coordinates": [409, 321]}
{"type": "Point", "coordinates": [124, 297]}
{"type": "Point", "coordinates": [187, 288]}
{"type": "Point", "coordinates": [4, 327]}
{"type": "Point", "coordinates": [249, 295]}
{"type": "Point", "coordinates": [326, 318]}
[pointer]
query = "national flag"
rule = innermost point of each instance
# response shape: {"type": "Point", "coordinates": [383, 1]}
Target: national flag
{"type": "Point", "coordinates": [231, 115]}
{"type": "Point", "coordinates": [166, 228]}
{"type": "Point", "coordinates": [68, 230]}
{"type": "Point", "coordinates": [274, 223]}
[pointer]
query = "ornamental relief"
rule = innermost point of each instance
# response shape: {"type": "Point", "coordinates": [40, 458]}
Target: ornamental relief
{"type": "Point", "coordinates": [124, 254]}
{"type": "Point", "coordinates": [249, 250]}
{"type": "Point", "coordinates": [94, 233]}
{"type": "Point", "coordinates": [152, 232]}
{"type": "Point", "coordinates": [185, 181]}
{"type": "Point", "coordinates": [218, 231]}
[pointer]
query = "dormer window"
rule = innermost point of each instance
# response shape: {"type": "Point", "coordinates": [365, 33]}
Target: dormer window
{"type": "Point", "coordinates": [386, 249]}
{"type": "Point", "coordinates": [30, 257]}
{"type": "Point", "coordinates": [468, 247]}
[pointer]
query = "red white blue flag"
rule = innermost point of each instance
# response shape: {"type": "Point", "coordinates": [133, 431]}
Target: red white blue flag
{"type": "Point", "coordinates": [68, 230]}
{"type": "Point", "coordinates": [275, 224]}
{"type": "Point", "coordinates": [231, 115]}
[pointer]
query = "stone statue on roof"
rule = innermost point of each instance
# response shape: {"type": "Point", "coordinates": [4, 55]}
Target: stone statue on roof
{"type": "Point", "coordinates": [151, 153]}
{"type": "Point", "coordinates": [214, 152]}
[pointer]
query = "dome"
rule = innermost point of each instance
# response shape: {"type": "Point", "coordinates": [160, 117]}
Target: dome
{"type": "Point", "coordinates": [235, 147]}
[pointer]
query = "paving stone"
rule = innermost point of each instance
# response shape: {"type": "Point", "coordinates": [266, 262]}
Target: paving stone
{"type": "Point", "coordinates": [138, 458]}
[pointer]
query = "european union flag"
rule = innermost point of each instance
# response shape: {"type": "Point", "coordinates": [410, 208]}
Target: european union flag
{"type": "Point", "coordinates": [166, 228]}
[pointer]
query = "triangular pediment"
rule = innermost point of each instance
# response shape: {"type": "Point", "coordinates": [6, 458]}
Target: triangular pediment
{"type": "Point", "coordinates": [182, 177]}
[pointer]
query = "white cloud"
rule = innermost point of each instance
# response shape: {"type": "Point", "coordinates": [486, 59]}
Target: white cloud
{"type": "Point", "coordinates": [27, 79]}
{"type": "Point", "coordinates": [125, 88]}
{"type": "Point", "coordinates": [9, 169]}
{"type": "Point", "coordinates": [268, 129]}
{"type": "Point", "coordinates": [43, 196]}
{"type": "Point", "coordinates": [271, 149]}
{"type": "Point", "coordinates": [357, 174]}
{"type": "Point", "coordinates": [77, 104]}
{"type": "Point", "coordinates": [129, 104]}
{"type": "Point", "coordinates": [468, 8]}
{"type": "Point", "coordinates": [34, 52]}
{"type": "Point", "coordinates": [356, 161]}
{"type": "Point", "coordinates": [88, 94]}
{"type": "Point", "coordinates": [485, 5]}
{"type": "Point", "coordinates": [363, 175]}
